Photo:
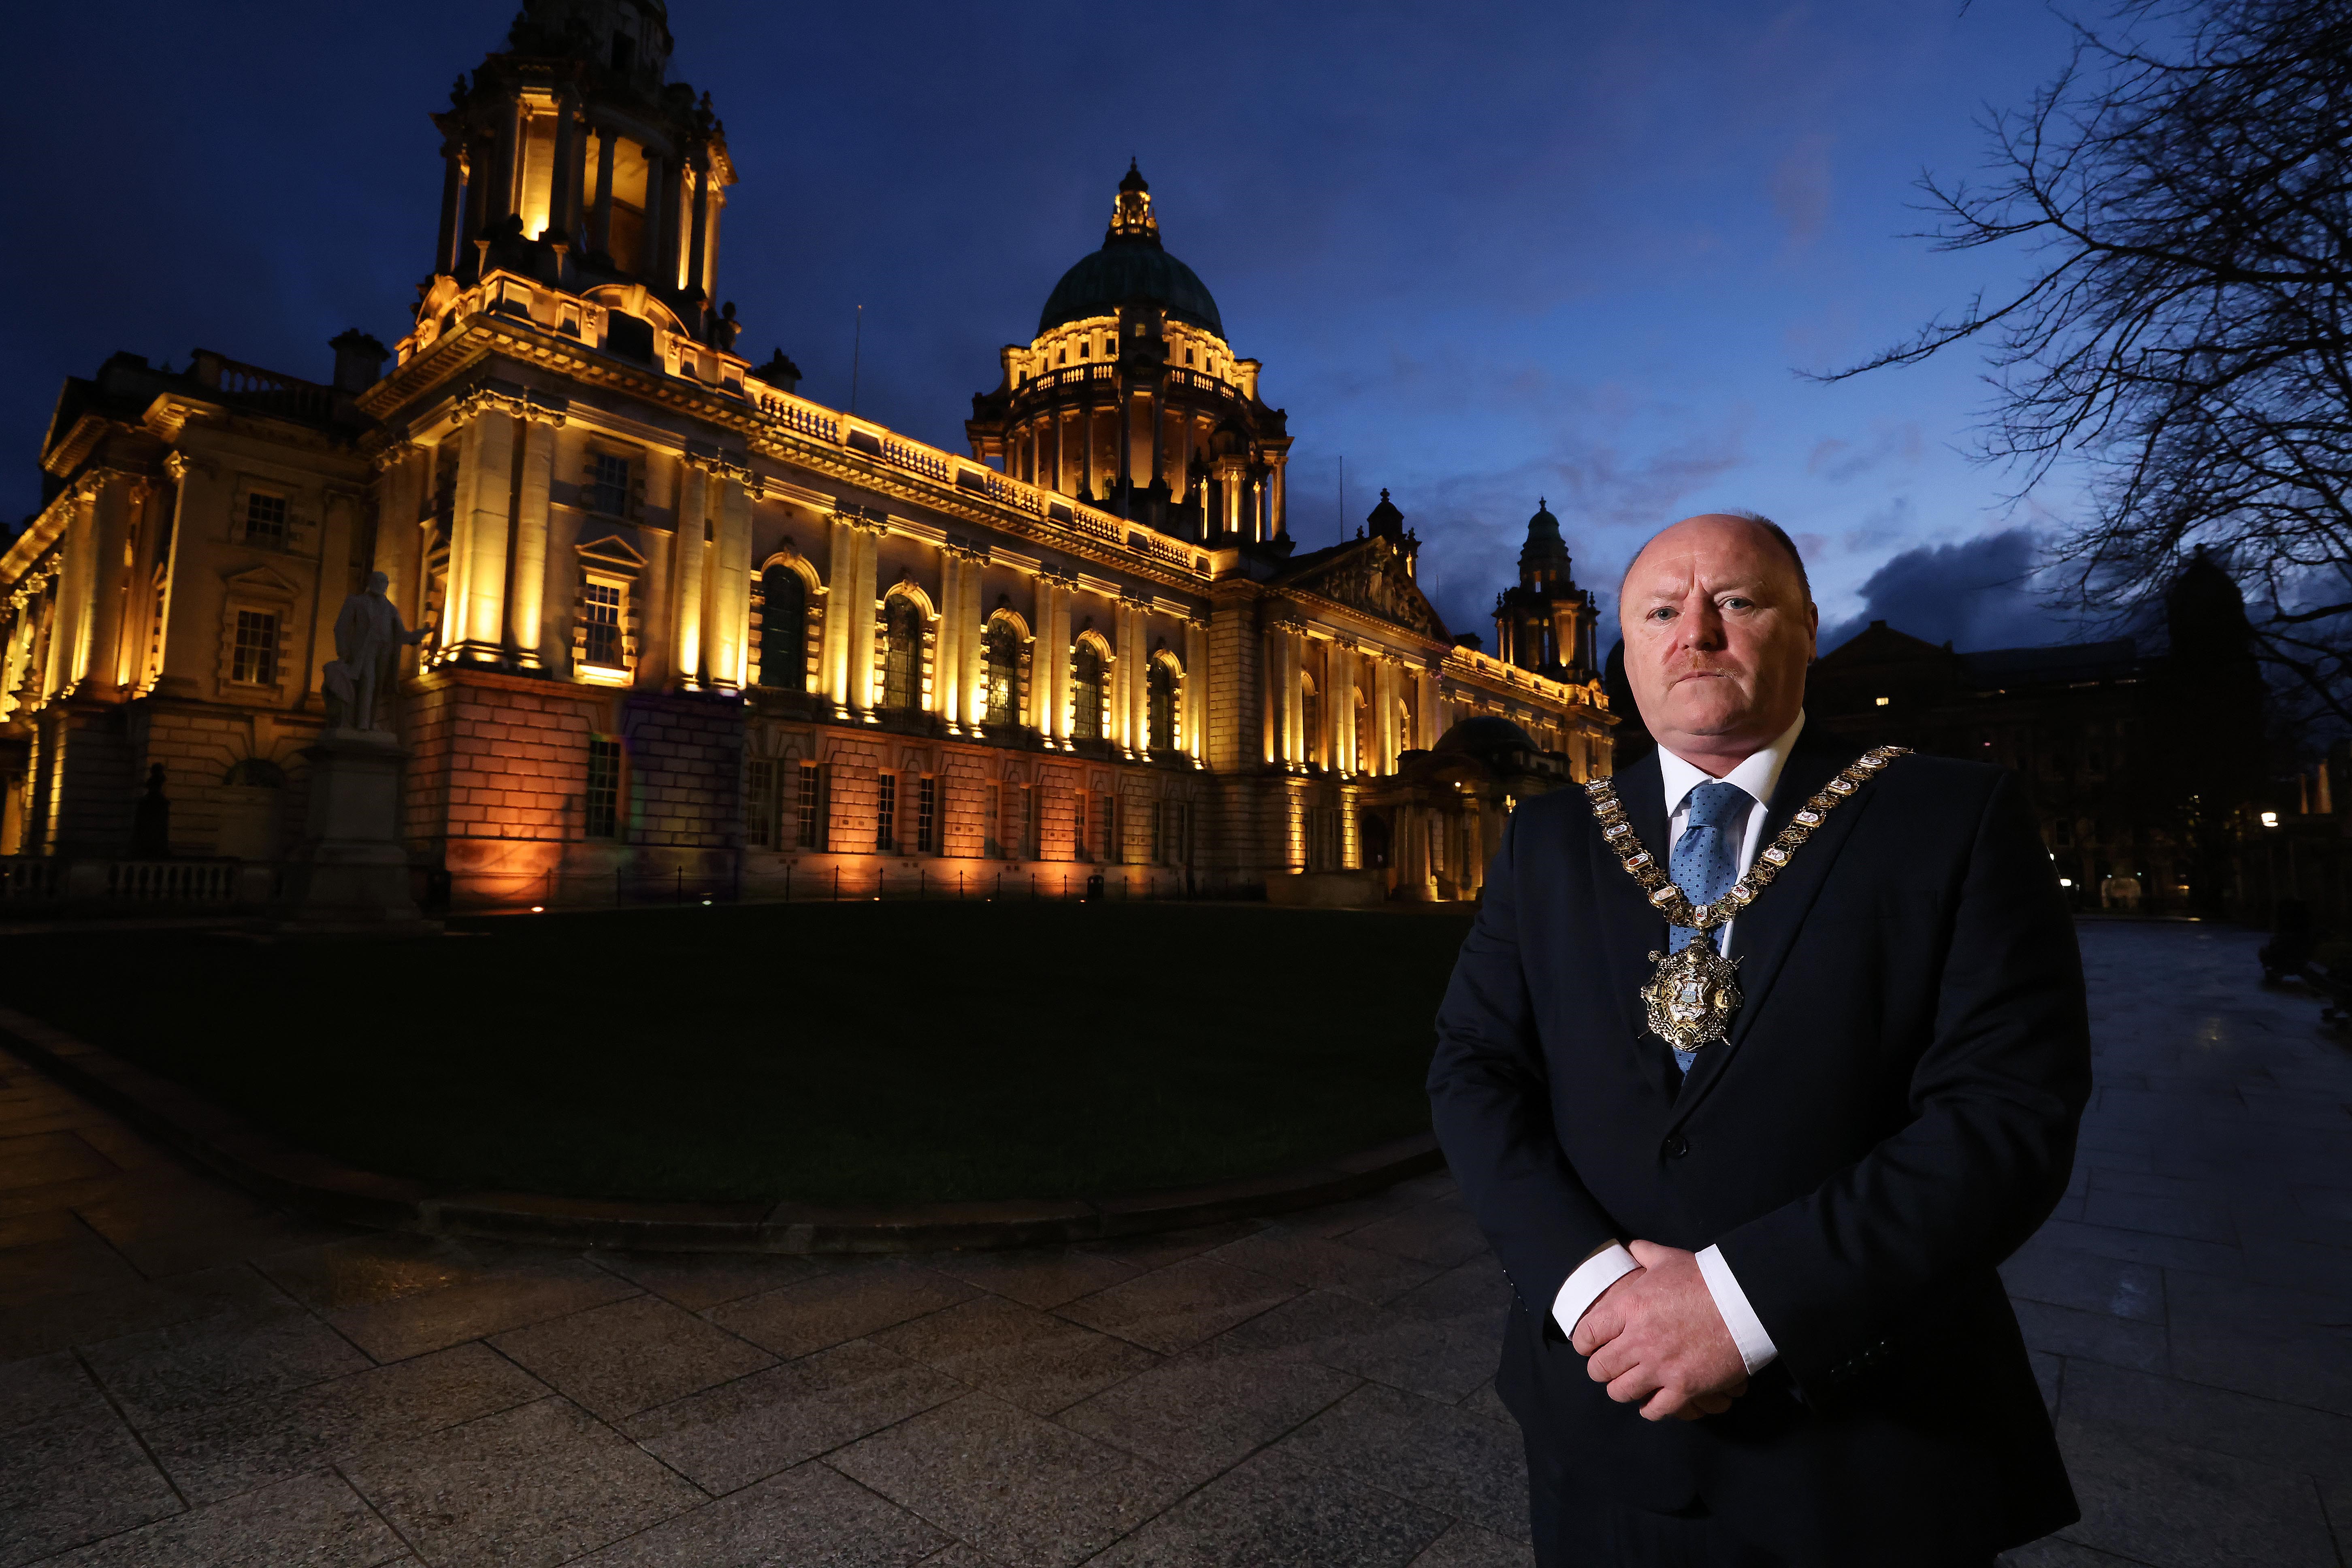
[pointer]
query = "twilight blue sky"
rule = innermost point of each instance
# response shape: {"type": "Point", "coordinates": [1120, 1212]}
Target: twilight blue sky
{"type": "Point", "coordinates": [1486, 252]}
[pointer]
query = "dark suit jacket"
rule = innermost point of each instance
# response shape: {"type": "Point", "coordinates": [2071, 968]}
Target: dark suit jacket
{"type": "Point", "coordinates": [1893, 1112]}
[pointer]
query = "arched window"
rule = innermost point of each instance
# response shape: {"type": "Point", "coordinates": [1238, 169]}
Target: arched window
{"type": "Point", "coordinates": [902, 653]}
{"type": "Point", "coordinates": [1086, 694]}
{"type": "Point", "coordinates": [1159, 692]}
{"type": "Point", "coordinates": [783, 630]}
{"type": "Point", "coordinates": [1000, 655]}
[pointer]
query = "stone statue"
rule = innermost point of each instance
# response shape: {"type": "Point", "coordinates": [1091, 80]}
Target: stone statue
{"type": "Point", "coordinates": [368, 632]}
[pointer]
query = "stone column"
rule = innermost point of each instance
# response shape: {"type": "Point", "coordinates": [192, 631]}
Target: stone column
{"type": "Point", "coordinates": [453, 188]}
{"type": "Point", "coordinates": [688, 541]}
{"type": "Point", "coordinates": [527, 595]}
{"type": "Point", "coordinates": [1196, 690]}
{"type": "Point", "coordinates": [500, 200]}
{"type": "Point", "coordinates": [1281, 506]}
{"type": "Point", "coordinates": [100, 673]}
{"type": "Point", "coordinates": [477, 556]}
{"type": "Point", "coordinates": [865, 600]}
{"type": "Point", "coordinates": [833, 637]}
{"type": "Point", "coordinates": [1289, 745]}
{"type": "Point", "coordinates": [975, 694]}
{"type": "Point", "coordinates": [727, 607]}
{"type": "Point", "coordinates": [947, 664]}
{"type": "Point", "coordinates": [664, 271]}
{"type": "Point", "coordinates": [600, 222]}
{"type": "Point", "coordinates": [564, 175]}
{"type": "Point", "coordinates": [699, 240]}
{"type": "Point", "coordinates": [401, 471]}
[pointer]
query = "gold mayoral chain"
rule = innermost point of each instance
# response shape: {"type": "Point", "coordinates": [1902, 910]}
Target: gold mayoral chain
{"type": "Point", "coordinates": [1692, 996]}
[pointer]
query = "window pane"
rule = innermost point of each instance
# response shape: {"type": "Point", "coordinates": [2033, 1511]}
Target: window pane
{"type": "Point", "coordinates": [604, 788]}
{"type": "Point", "coordinates": [885, 813]}
{"type": "Point", "coordinates": [600, 611]}
{"type": "Point", "coordinates": [812, 807]}
{"type": "Point", "coordinates": [608, 485]}
{"type": "Point", "coordinates": [783, 630]}
{"type": "Point", "coordinates": [902, 655]}
{"type": "Point", "coordinates": [265, 520]}
{"type": "Point", "coordinates": [760, 803]}
{"type": "Point", "coordinates": [255, 658]}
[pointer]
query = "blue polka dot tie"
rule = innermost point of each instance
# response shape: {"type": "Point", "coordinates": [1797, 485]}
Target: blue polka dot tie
{"type": "Point", "coordinates": [1705, 862]}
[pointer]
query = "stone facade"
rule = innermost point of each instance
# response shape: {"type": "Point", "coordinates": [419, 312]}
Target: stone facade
{"type": "Point", "coordinates": [685, 624]}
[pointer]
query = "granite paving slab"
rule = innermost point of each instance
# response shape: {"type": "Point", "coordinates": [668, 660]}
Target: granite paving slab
{"type": "Point", "coordinates": [39, 1159]}
{"type": "Point", "coordinates": [808, 1517]}
{"type": "Point", "coordinates": [1038, 1360]}
{"type": "Point", "coordinates": [1437, 1454]}
{"type": "Point", "coordinates": [70, 1259]}
{"type": "Point", "coordinates": [258, 1349]}
{"type": "Point", "coordinates": [1312, 1262]}
{"type": "Point", "coordinates": [72, 1477]}
{"type": "Point", "coordinates": [1440, 1359]}
{"type": "Point", "coordinates": [1178, 1304]}
{"type": "Point", "coordinates": [1200, 1413]}
{"type": "Point", "coordinates": [739, 1432]}
{"type": "Point", "coordinates": [1440, 1232]}
{"type": "Point", "coordinates": [1275, 1511]}
{"type": "Point", "coordinates": [2086, 1282]}
{"type": "Point", "coordinates": [314, 1521]}
{"type": "Point", "coordinates": [38, 1387]}
{"type": "Point", "coordinates": [623, 1357]}
{"type": "Point", "coordinates": [1045, 1279]}
{"type": "Point", "coordinates": [533, 1487]}
{"type": "Point", "coordinates": [1467, 1546]}
{"type": "Point", "coordinates": [90, 1316]}
{"type": "Point", "coordinates": [698, 1280]}
{"type": "Point", "coordinates": [2172, 1506]}
{"type": "Point", "coordinates": [2097, 1336]}
{"type": "Point", "coordinates": [840, 1304]}
{"type": "Point", "coordinates": [234, 1448]}
{"type": "Point", "coordinates": [475, 1304]}
{"type": "Point", "coordinates": [1023, 1490]}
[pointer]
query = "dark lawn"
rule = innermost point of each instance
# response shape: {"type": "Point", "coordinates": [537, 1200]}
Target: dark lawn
{"type": "Point", "coordinates": [851, 1052]}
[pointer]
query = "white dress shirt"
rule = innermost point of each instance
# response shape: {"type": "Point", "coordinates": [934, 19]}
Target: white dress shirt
{"type": "Point", "coordinates": [1758, 775]}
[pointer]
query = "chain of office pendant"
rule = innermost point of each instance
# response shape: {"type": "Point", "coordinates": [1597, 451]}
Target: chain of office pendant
{"type": "Point", "coordinates": [1671, 901]}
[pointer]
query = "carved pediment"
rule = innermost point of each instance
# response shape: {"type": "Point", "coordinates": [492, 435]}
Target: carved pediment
{"type": "Point", "coordinates": [260, 581]}
{"type": "Point", "coordinates": [1373, 579]}
{"type": "Point", "coordinates": [612, 551]}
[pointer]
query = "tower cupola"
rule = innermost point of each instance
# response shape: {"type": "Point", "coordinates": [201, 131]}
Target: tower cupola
{"type": "Point", "coordinates": [570, 157]}
{"type": "Point", "coordinates": [1546, 623]}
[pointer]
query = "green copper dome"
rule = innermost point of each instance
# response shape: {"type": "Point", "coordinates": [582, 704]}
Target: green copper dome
{"type": "Point", "coordinates": [1131, 268]}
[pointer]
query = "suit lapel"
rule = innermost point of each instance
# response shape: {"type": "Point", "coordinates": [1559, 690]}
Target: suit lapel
{"type": "Point", "coordinates": [1767, 930]}
{"type": "Point", "coordinates": [1632, 928]}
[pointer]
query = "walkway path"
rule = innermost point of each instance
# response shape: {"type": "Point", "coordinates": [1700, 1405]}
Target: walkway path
{"type": "Point", "coordinates": [187, 1378]}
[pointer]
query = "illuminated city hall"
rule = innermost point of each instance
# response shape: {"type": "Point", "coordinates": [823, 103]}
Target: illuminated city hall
{"type": "Point", "coordinates": [681, 622]}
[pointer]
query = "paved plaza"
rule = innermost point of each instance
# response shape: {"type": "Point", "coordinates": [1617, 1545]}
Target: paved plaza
{"type": "Point", "coordinates": [186, 1377]}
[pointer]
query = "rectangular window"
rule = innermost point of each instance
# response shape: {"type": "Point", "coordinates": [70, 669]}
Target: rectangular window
{"type": "Point", "coordinates": [600, 611]}
{"type": "Point", "coordinates": [812, 833]}
{"type": "Point", "coordinates": [1112, 849]}
{"type": "Point", "coordinates": [1081, 821]}
{"type": "Point", "coordinates": [608, 485]}
{"type": "Point", "coordinates": [265, 519]}
{"type": "Point", "coordinates": [760, 803]}
{"type": "Point", "coordinates": [1029, 822]}
{"type": "Point", "coordinates": [603, 789]}
{"type": "Point", "coordinates": [993, 844]}
{"type": "Point", "coordinates": [886, 815]}
{"type": "Point", "coordinates": [1160, 833]}
{"type": "Point", "coordinates": [926, 815]}
{"type": "Point", "coordinates": [255, 661]}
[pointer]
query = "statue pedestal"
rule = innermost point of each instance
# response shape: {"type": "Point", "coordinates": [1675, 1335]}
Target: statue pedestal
{"type": "Point", "coordinates": [350, 874]}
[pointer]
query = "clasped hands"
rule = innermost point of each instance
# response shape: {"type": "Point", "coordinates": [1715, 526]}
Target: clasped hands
{"type": "Point", "coordinates": [1654, 1337]}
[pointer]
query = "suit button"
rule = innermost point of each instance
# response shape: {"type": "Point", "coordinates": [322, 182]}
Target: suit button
{"type": "Point", "coordinates": [1676, 1146]}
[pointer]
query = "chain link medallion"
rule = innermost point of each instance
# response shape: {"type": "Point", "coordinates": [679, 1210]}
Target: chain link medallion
{"type": "Point", "coordinates": [1692, 994]}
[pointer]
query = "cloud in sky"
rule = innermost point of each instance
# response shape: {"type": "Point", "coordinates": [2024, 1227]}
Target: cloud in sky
{"type": "Point", "coordinates": [1976, 594]}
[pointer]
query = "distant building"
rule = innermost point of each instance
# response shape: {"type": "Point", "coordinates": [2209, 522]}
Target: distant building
{"type": "Point", "coordinates": [685, 622]}
{"type": "Point", "coordinates": [2145, 769]}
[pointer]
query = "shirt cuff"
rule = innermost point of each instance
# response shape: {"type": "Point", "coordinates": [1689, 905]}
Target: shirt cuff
{"type": "Point", "coordinates": [1756, 1346]}
{"type": "Point", "coordinates": [1593, 1276]}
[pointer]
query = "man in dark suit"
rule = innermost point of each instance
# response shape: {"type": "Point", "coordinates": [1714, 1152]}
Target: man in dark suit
{"type": "Point", "coordinates": [1755, 1319]}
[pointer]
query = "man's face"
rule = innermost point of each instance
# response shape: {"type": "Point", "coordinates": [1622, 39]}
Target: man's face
{"type": "Point", "coordinates": [1717, 635]}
